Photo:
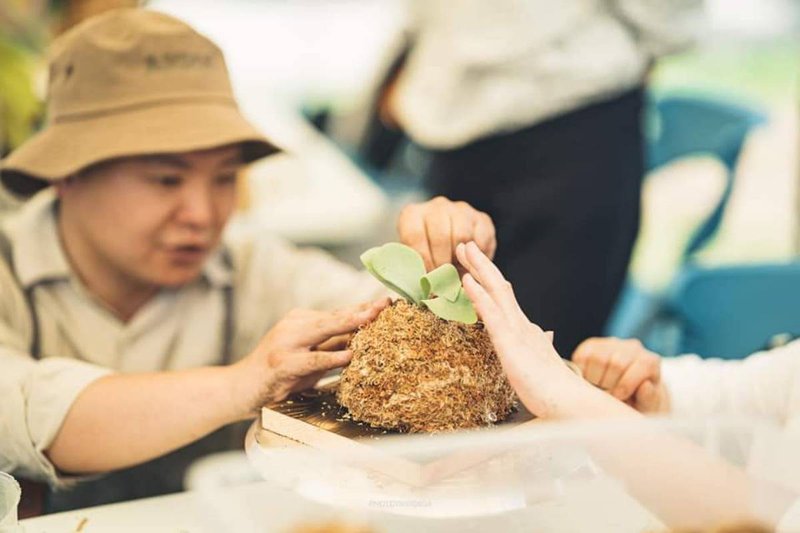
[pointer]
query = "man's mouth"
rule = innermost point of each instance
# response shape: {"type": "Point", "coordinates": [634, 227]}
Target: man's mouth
{"type": "Point", "coordinates": [189, 253]}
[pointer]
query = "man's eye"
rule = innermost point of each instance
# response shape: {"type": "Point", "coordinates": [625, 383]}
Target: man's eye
{"type": "Point", "coordinates": [168, 181]}
{"type": "Point", "coordinates": [227, 179]}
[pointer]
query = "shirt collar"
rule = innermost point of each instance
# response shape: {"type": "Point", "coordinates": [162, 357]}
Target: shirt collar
{"type": "Point", "coordinates": [38, 255]}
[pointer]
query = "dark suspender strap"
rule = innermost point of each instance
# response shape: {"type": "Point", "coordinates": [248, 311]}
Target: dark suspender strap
{"type": "Point", "coordinates": [228, 319]}
{"type": "Point", "coordinates": [227, 325]}
{"type": "Point", "coordinates": [6, 255]}
{"type": "Point", "coordinates": [35, 348]}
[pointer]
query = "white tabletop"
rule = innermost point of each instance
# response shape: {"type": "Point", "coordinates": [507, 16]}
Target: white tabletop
{"type": "Point", "coordinates": [175, 512]}
{"type": "Point", "coordinates": [563, 489]}
{"type": "Point", "coordinates": [222, 502]}
{"type": "Point", "coordinates": [261, 507]}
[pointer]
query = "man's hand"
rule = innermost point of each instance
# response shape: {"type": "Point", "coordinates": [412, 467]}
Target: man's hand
{"type": "Point", "coordinates": [166, 410]}
{"type": "Point", "coordinates": [436, 227]}
{"type": "Point", "coordinates": [298, 351]}
{"type": "Point", "coordinates": [625, 369]}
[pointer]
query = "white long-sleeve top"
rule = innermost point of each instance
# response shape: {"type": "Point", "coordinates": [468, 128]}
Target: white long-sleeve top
{"type": "Point", "coordinates": [764, 385]}
{"type": "Point", "coordinates": [479, 68]}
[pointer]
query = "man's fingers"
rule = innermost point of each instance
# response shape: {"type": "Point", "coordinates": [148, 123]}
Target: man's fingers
{"type": "Point", "coordinates": [439, 230]}
{"type": "Point", "coordinates": [308, 382]}
{"type": "Point", "coordinates": [339, 342]}
{"type": "Point", "coordinates": [461, 230]}
{"type": "Point", "coordinates": [484, 234]}
{"type": "Point", "coordinates": [436, 227]}
{"type": "Point", "coordinates": [303, 364]}
{"type": "Point", "coordinates": [411, 229]}
{"type": "Point", "coordinates": [322, 325]}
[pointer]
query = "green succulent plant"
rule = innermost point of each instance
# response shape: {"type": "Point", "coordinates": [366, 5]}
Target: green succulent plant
{"type": "Point", "coordinates": [402, 269]}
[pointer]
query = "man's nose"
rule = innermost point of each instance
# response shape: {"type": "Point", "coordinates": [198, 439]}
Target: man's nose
{"type": "Point", "coordinates": [197, 207]}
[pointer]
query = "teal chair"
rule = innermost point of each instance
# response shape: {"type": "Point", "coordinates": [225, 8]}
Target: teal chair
{"type": "Point", "coordinates": [678, 127]}
{"type": "Point", "coordinates": [733, 311]}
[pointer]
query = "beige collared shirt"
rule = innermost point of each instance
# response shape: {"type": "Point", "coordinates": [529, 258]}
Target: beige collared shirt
{"type": "Point", "coordinates": [81, 340]}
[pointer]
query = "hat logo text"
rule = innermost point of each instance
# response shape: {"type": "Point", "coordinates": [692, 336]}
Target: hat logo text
{"type": "Point", "coordinates": [177, 60]}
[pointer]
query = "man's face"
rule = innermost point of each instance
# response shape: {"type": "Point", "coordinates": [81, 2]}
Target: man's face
{"type": "Point", "coordinates": [154, 220]}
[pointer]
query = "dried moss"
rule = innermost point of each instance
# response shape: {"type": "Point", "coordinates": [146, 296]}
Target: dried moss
{"type": "Point", "coordinates": [412, 371]}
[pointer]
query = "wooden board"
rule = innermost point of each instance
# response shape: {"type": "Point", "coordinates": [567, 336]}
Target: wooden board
{"type": "Point", "coordinates": [315, 419]}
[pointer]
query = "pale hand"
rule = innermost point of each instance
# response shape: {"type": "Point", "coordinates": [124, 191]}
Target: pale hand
{"type": "Point", "coordinates": [626, 370]}
{"type": "Point", "coordinates": [534, 368]}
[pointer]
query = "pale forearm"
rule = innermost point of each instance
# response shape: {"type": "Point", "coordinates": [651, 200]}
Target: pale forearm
{"type": "Point", "coordinates": [552, 391]}
{"type": "Point", "coordinates": [676, 479]}
{"type": "Point", "coordinates": [121, 420]}
{"type": "Point", "coordinates": [577, 399]}
{"type": "Point", "coordinates": [684, 484]}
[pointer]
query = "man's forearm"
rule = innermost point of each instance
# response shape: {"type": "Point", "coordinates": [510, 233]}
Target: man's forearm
{"type": "Point", "coordinates": [121, 420]}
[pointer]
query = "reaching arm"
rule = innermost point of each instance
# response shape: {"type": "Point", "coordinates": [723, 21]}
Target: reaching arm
{"type": "Point", "coordinates": [675, 478]}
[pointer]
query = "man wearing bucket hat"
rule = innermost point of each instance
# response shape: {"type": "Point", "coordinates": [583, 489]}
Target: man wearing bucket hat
{"type": "Point", "coordinates": [129, 328]}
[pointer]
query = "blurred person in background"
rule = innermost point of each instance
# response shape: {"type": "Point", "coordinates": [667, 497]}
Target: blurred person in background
{"type": "Point", "coordinates": [133, 333]}
{"type": "Point", "coordinates": [531, 112]}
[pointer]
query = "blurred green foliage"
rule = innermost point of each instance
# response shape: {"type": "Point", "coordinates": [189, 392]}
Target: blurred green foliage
{"type": "Point", "coordinates": [23, 37]}
{"type": "Point", "coordinates": [20, 107]}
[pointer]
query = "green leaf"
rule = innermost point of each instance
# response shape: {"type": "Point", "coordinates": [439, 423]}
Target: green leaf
{"type": "Point", "coordinates": [460, 310]}
{"type": "Point", "coordinates": [442, 281]}
{"type": "Point", "coordinates": [399, 267]}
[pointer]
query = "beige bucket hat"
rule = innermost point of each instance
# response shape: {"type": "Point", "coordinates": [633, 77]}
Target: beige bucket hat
{"type": "Point", "coordinates": [130, 82]}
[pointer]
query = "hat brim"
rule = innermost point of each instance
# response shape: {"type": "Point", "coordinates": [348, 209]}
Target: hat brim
{"type": "Point", "coordinates": [61, 149]}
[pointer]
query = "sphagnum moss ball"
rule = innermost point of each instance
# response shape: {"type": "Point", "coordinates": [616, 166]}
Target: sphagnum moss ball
{"type": "Point", "coordinates": [413, 371]}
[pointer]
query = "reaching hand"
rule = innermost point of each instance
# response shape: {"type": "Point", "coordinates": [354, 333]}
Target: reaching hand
{"type": "Point", "coordinates": [434, 229]}
{"type": "Point", "coordinates": [526, 352]}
